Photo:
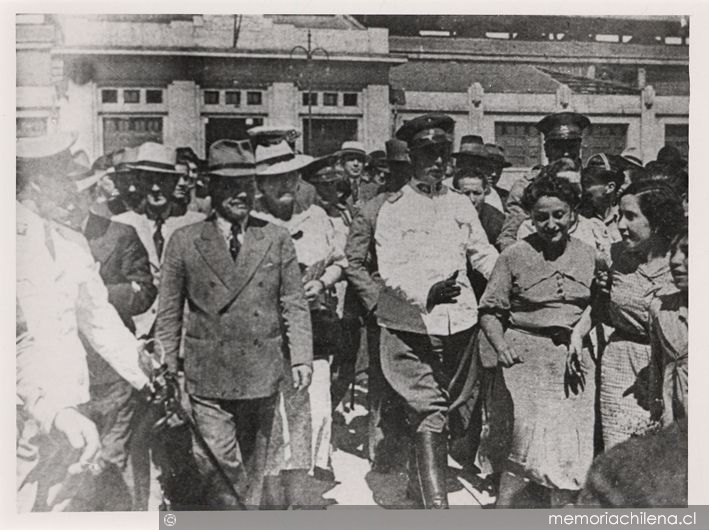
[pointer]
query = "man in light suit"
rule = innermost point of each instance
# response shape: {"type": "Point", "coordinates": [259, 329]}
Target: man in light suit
{"type": "Point", "coordinates": [246, 307]}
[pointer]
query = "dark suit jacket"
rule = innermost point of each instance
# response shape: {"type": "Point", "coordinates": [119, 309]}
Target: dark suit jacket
{"type": "Point", "coordinates": [242, 318]}
{"type": "Point", "coordinates": [361, 254]}
{"type": "Point", "coordinates": [122, 259]}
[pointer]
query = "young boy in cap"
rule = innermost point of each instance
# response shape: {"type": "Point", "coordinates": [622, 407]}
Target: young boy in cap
{"type": "Point", "coordinates": [425, 234]}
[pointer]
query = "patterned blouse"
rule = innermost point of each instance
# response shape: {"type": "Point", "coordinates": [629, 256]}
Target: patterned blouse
{"type": "Point", "coordinates": [537, 293]}
{"type": "Point", "coordinates": [634, 285]}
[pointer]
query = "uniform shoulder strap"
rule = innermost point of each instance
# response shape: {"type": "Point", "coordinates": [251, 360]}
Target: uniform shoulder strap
{"type": "Point", "coordinates": [395, 196]}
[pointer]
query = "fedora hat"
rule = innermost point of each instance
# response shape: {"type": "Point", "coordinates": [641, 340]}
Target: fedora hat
{"type": "Point", "coordinates": [632, 157]}
{"type": "Point", "coordinates": [377, 160]}
{"type": "Point", "coordinates": [231, 158]}
{"type": "Point", "coordinates": [497, 154]}
{"type": "Point", "coordinates": [278, 159]}
{"type": "Point", "coordinates": [397, 151]}
{"type": "Point", "coordinates": [472, 145]}
{"type": "Point", "coordinates": [352, 147]}
{"type": "Point", "coordinates": [321, 170]}
{"type": "Point", "coordinates": [48, 154]}
{"type": "Point", "coordinates": [156, 158]}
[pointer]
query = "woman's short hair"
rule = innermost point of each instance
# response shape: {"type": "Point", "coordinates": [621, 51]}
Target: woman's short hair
{"type": "Point", "coordinates": [551, 186]}
{"type": "Point", "coordinates": [660, 204]}
{"type": "Point", "coordinates": [469, 173]}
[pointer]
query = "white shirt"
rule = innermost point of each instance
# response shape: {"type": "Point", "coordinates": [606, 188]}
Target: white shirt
{"type": "Point", "coordinates": [315, 242]}
{"type": "Point", "coordinates": [146, 229]}
{"type": "Point", "coordinates": [59, 297]}
{"type": "Point", "coordinates": [493, 199]}
{"type": "Point", "coordinates": [422, 239]}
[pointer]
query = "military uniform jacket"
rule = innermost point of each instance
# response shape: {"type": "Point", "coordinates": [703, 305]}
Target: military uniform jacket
{"type": "Point", "coordinates": [421, 239]}
{"type": "Point", "coordinates": [242, 317]}
{"type": "Point", "coordinates": [362, 271]}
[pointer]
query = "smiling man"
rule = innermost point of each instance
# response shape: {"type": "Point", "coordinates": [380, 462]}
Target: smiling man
{"type": "Point", "coordinates": [425, 233]}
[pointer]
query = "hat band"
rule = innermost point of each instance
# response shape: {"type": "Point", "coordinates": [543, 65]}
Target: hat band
{"type": "Point", "coordinates": [275, 160]}
{"type": "Point", "coordinates": [156, 165]}
{"type": "Point", "coordinates": [231, 165]}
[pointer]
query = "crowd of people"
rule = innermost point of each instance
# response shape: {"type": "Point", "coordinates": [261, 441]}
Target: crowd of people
{"type": "Point", "coordinates": [531, 333]}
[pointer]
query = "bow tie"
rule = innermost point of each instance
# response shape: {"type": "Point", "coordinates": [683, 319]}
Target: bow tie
{"type": "Point", "coordinates": [429, 188]}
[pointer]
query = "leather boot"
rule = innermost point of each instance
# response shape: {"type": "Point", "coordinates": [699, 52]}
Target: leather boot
{"type": "Point", "coordinates": [432, 463]}
{"type": "Point", "coordinates": [413, 488]}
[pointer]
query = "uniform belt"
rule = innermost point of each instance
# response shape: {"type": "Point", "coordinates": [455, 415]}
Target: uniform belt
{"type": "Point", "coordinates": [557, 334]}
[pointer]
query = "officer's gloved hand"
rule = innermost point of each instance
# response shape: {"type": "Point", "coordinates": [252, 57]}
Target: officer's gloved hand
{"type": "Point", "coordinates": [444, 292]}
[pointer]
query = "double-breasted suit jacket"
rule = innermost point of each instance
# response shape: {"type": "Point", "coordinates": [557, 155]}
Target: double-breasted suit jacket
{"type": "Point", "coordinates": [242, 317]}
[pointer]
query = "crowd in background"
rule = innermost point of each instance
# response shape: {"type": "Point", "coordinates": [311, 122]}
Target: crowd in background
{"type": "Point", "coordinates": [536, 334]}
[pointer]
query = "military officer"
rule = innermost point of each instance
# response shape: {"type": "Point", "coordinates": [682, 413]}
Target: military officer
{"type": "Point", "coordinates": [563, 133]}
{"type": "Point", "coordinates": [427, 310]}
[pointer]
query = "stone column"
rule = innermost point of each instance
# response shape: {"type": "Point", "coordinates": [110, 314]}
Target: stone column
{"type": "Point", "coordinates": [183, 125]}
{"type": "Point", "coordinates": [476, 111]}
{"type": "Point", "coordinates": [648, 124]}
{"type": "Point", "coordinates": [376, 117]}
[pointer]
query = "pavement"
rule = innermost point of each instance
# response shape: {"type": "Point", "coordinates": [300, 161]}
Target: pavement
{"type": "Point", "coordinates": [358, 485]}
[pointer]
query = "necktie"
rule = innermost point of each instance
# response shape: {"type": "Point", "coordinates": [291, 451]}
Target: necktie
{"type": "Point", "coordinates": [158, 238]}
{"type": "Point", "coordinates": [234, 245]}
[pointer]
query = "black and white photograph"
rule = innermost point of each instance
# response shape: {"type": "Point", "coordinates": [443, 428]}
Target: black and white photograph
{"type": "Point", "coordinates": [308, 261]}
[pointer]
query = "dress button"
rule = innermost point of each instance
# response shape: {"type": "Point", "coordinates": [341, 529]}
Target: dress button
{"type": "Point", "coordinates": [256, 313]}
{"type": "Point", "coordinates": [256, 343]}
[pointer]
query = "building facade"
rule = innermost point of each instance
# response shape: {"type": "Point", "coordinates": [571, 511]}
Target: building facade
{"type": "Point", "coordinates": [188, 80]}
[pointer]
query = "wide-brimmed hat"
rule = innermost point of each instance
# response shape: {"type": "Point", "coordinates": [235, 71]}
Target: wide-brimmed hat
{"type": "Point", "coordinates": [351, 147]}
{"type": "Point", "coordinates": [427, 129]}
{"type": "Point", "coordinates": [231, 158]}
{"type": "Point", "coordinates": [321, 169]}
{"type": "Point", "coordinates": [155, 158]}
{"type": "Point", "coordinates": [48, 153]}
{"type": "Point", "coordinates": [397, 151]}
{"type": "Point", "coordinates": [471, 145]}
{"type": "Point", "coordinates": [497, 154]}
{"type": "Point", "coordinates": [377, 160]}
{"type": "Point", "coordinates": [279, 159]}
{"type": "Point", "coordinates": [272, 134]}
{"type": "Point", "coordinates": [632, 156]}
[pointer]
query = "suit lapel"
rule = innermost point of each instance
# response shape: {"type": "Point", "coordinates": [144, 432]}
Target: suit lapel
{"type": "Point", "coordinates": [212, 247]}
{"type": "Point", "coordinates": [250, 257]}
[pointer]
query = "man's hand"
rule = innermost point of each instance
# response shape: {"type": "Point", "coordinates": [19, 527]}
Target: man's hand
{"type": "Point", "coordinates": [302, 376]}
{"type": "Point", "coordinates": [507, 357]}
{"type": "Point", "coordinates": [313, 289]}
{"type": "Point", "coordinates": [82, 434]}
{"type": "Point", "coordinates": [444, 292]}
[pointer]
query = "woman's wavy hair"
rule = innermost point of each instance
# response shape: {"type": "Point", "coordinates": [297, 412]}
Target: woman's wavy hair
{"type": "Point", "coordinates": [549, 185]}
{"type": "Point", "coordinates": [660, 204]}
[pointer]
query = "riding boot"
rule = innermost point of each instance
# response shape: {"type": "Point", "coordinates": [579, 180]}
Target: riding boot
{"type": "Point", "coordinates": [413, 489]}
{"type": "Point", "coordinates": [432, 462]}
